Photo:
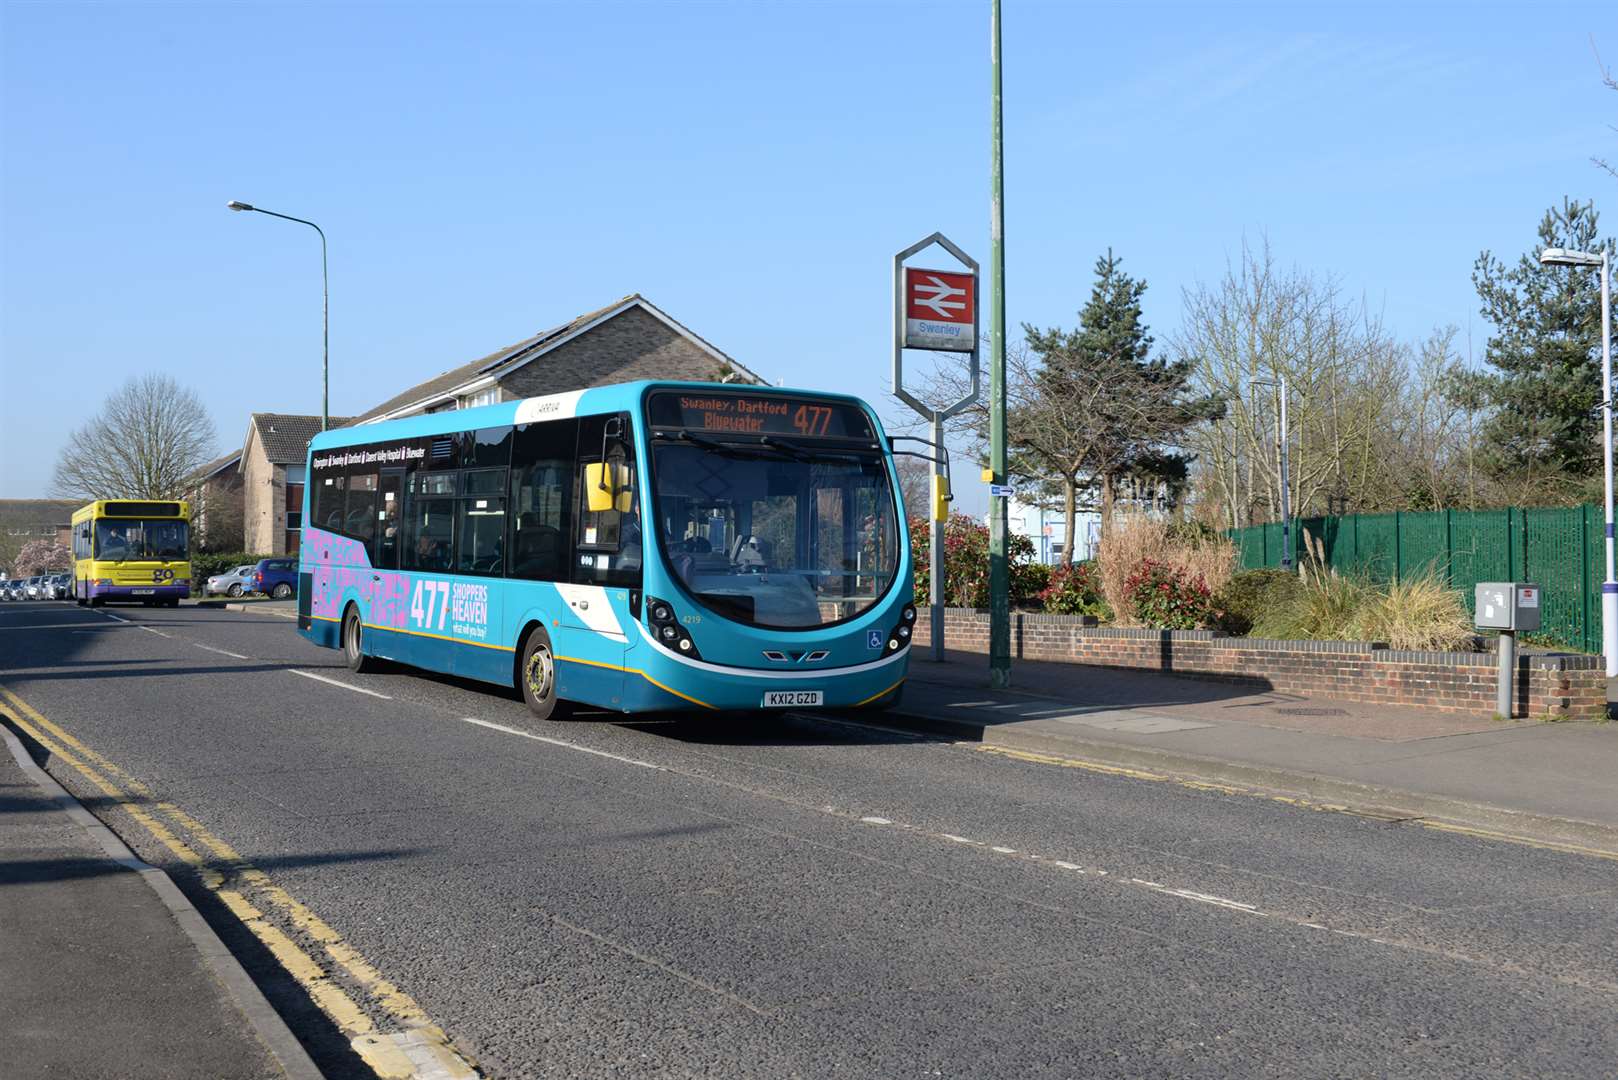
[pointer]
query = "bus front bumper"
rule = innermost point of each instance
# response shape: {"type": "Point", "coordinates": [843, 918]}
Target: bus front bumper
{"type": "Point", "coordinates": [656, 682]}
{"type": "Point", "coordinates": [137, 592]}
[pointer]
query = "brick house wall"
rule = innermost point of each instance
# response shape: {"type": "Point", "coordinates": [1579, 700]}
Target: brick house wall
{"type": "Point", "coordinates": [263, 500]}
{"type": "Point", "coordinates": [1553, 684]}
{"type": "Point", "coordinates": [632, 345]}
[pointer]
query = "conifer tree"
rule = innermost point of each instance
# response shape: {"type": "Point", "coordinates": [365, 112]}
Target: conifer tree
{"type": "Point", "coordinates": [1542, 384]}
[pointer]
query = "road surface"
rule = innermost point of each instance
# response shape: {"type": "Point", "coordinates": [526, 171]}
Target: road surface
{"type": "Point", "coordinates": [797, 896]}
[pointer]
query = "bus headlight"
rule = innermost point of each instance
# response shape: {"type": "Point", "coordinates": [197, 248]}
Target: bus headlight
{"type": "Point", "coordinates": [669, 633]}
{"type": "Point", "coordinates": [900, 635]}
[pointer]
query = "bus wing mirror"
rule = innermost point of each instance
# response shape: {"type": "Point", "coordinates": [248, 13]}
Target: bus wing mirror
{"type": "Point", "coordinates": [600, 495]}
{"type": "Point", "coordinates": [606, 487]}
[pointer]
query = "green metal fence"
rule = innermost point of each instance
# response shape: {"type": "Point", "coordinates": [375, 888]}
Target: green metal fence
{"type": "Point", "coordinates": [1560, 550]}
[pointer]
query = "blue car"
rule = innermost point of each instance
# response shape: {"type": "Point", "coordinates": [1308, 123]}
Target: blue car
{"type": "Point", "coordinates": [277, 578]}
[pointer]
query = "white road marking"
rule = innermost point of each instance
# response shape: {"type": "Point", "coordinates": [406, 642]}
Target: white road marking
{"type": "Point", "coordinates": [335, 682]}
{"type": "Point", "coordinates": [969, 704]}
{"type": "Point", "coordinates": [221, 652]}
{"type": "Point", "coordinates": [559, 742]}
{"type": "Point", "coordinates": [115, 618]}
{"type": "Point", "coordinates": [150, 630]}
{"type": "Point", "coordinates": [1193, 895]}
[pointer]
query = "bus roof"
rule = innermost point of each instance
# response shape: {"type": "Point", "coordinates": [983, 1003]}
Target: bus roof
{"type": "Point", "coordinates": [616, 397]}
{"type": "Point", "coordinates": [133, 508]}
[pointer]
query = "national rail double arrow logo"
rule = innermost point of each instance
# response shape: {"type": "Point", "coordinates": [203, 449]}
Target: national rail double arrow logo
{"type": "Point", "coordinates": [940, 300]}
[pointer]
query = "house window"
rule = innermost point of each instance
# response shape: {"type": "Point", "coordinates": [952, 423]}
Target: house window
{"type": "Point", "coordinates": [489, 395]}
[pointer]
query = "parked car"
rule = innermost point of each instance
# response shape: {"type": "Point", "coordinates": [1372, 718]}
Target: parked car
{"type": "Point", "coordinates": [31, 588]}
{"type": "Point", "coordinates": [61, 585]}
{"type": "Point", "coordinates": [16, 589]}
{"type": "Point", "coordinates": [276, 577]}
{"type": "Point", "coordinates": [232, 582]}
{"type": "Point", "coordinates": [8, 588]}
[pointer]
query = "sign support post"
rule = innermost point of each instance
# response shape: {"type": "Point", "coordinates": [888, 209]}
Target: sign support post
{"type": "Point", "coordinates": [936, 310]}
{"type": "Point", "coordinates": [999, 567]}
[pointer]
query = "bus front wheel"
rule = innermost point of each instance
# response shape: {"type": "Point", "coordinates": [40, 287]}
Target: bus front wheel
{"type": "Point", "coordinates": [536, 676]}
{"type": "Point", "coordinates": [354, 644]}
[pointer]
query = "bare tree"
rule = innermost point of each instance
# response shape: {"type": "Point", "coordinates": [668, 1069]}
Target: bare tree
{"type": "Point", "coordinates": [1610, 83]}
{"type": "Point", "coordinates": [147, 442]}
{"type": "Point", "coordinates": [1345, 373]}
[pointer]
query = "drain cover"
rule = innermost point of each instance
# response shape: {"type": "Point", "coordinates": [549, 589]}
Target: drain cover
{"type": "Point", "coordinates": [1312, 712]}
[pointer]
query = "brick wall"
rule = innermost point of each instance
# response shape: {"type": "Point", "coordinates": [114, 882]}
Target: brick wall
{"type": "Point", "coordinates": [1350, 671]}
{"type": "Point", "coordinates": [629, 346]}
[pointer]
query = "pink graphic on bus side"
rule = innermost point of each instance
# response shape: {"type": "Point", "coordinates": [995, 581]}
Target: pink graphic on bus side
{"type": "Point", "coordinates": [337, 565]}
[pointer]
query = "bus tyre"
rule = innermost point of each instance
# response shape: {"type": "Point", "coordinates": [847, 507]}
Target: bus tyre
{"type": "Point", "coordinates": [282, 591]}
{"type": "Point", "coordinates": [536, 676]}
{"type": "Point", "coordinates": [354, 643]}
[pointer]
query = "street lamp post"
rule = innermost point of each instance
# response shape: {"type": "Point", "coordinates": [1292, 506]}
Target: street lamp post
{"type": "Point", "coordinates": [999, 563]}
{"type": "Point", "coordinates": [1609, 587]}
{"type": "Point", "coordinates": [325, 307]}
{"type": "Point", "coordinates": [1281, 440]}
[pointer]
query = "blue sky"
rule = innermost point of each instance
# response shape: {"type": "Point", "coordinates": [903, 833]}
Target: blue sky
{"type": "Point", "coordinates": [484, 172]}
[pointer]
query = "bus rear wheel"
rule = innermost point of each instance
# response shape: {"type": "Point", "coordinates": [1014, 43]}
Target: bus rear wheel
{"type": "Point", "coordinates": [536, 676]}
{"type": "Point", "coordinates": [354, 643]}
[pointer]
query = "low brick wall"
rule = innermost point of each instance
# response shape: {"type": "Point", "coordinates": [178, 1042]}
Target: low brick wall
{"type": "Point", "coordinates": [1554, 684]}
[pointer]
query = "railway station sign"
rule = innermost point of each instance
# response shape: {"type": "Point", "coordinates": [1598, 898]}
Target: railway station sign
{"type": "Point", "coordinates": [940, 308]}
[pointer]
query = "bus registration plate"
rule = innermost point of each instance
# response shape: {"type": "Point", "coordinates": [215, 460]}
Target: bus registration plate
{"type": "Point", "coordinates": [142, 592]}
{"type": "Point", "coordinates": [792, 699]}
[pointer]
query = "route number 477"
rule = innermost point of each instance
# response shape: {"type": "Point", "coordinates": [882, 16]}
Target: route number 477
{"type": "Point", "coordinates": [421, 603]}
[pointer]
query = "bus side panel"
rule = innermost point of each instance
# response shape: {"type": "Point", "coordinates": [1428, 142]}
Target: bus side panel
{"type": "Point", "coordinates": [589, 667]}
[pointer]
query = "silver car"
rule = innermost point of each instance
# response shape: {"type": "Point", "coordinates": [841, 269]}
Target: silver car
{"type": "Point", "coordinates": [232, 582]}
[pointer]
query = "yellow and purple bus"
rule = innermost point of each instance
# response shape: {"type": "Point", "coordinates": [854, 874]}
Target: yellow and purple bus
{"type": "Point", "coordinates": [639, 547]}
{"type": "Point", "coordinates": [132, 549]}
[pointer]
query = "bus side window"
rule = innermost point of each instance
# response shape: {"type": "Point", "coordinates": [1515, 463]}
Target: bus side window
{"type": "Point", "coordinates": [359, 517]}
{"type": "Point", "coordinates": [542, 499]}
{"type": "Point", "coordinates": [328, 502]}
{"type": "Point", "coordinates": [429, 522]}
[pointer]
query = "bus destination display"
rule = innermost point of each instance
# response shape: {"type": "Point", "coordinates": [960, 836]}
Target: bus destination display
{"type": "Point", "coordinates": [745, 414]}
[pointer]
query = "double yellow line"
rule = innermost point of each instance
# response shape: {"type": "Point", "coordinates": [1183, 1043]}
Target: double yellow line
{"type": "Point", "coordinates": [420, 1047]}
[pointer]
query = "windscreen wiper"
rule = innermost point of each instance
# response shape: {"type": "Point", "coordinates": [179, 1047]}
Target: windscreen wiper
{"type": "Point", "coordinates": [726, 447]}
{"type": "Point", "coordinates": [804, 453]}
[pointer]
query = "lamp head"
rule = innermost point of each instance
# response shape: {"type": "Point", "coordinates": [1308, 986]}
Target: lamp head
{"type": "Point", "coordinates": [1568, 257]}
{"type": "Point", "coordinates": [234, 205]}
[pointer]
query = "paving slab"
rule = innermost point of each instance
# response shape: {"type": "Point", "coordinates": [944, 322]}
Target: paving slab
{"type": "Point", "coordinates": [1229, 731]}
{"type": "Point", "coordinates": [104, 971]}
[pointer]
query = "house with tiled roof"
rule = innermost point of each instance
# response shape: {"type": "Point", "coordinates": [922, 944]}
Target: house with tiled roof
{"type": "Point", "coordinates": [272, 474]}
{"type": "Point", "coordinates": [629, 339]}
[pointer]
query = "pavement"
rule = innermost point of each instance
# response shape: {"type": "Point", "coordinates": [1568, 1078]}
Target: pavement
{"type": "Point", "coordinates": [417, 865]}
{"type": "Point", "coordinates": [110, 971]}
{"type": "Point", "coordinates": [1548, 782]}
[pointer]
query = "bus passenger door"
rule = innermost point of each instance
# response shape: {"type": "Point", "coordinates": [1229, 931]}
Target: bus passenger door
{"type": "Point", "coordinates": [595, 618]}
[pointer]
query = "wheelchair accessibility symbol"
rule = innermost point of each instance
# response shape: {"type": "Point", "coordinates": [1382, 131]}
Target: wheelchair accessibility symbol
{"type": "Point", "coordinates": [873, 639]}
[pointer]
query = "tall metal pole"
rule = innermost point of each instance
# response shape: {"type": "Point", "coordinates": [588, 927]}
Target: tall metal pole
{"type": "Point", "coordinates": [937, 538]}
{"type": "Point", "coordinates": [1286, 485]}
{"type": "Point", "coordinates": [1609, 587]}
{"type": "Point", "coordinates": [999, 570]}
{"type": "Point", "coordinates": [325, 307]}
